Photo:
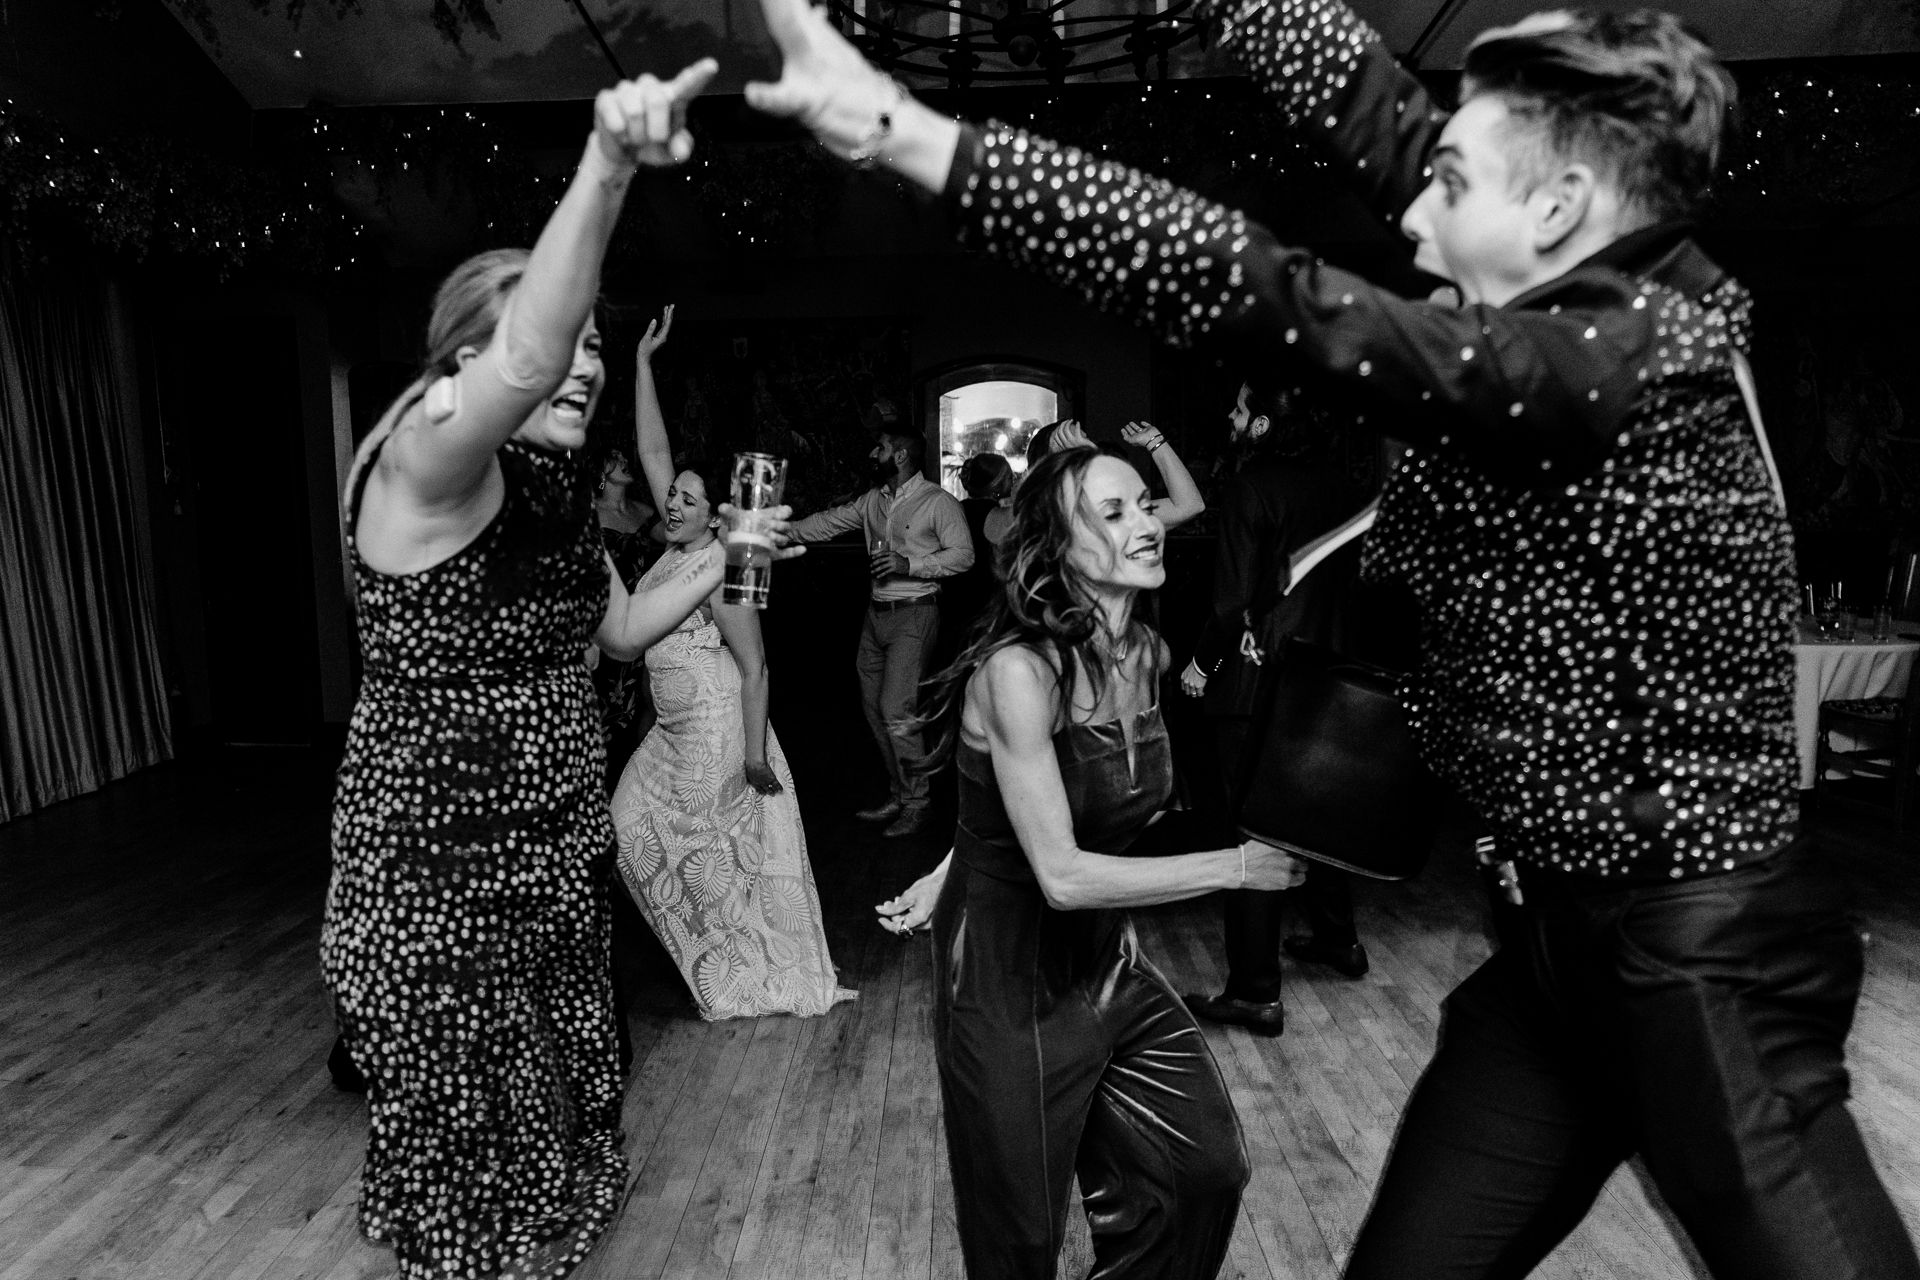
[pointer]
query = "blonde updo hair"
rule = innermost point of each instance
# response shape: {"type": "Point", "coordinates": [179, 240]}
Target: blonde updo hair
{"type": "Point", "coordinates": [466, 310]}
{"type": "Point", "coordinates": [468, 305]}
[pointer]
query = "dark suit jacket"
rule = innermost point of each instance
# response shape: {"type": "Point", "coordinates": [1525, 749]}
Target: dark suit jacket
{"type": "Point", "coordinates": [1271, 509]}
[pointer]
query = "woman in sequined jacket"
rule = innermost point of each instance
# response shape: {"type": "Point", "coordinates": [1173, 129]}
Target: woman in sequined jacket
{"type": "Point", "coordinates": [1593, 528]}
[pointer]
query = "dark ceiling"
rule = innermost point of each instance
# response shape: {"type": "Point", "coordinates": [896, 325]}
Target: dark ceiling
{"type": "Point", "coordinates": [388, 51]}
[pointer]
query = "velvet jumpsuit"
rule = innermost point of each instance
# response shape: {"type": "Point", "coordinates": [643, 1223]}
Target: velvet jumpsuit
{"type": "Point", "coordinates": [1062, 1049]}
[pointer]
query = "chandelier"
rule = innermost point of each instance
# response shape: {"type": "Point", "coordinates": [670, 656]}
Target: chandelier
{"type": "Point", "coordinates": [1012, 41]}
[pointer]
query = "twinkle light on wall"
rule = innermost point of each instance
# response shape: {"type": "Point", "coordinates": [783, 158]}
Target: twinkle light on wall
{"type": "Point", "coordinates": [1828, 142]}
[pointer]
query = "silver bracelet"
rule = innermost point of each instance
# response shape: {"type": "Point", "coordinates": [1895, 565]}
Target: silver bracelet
{"type": "Point", "coordinates": [1243, 864]}
{"type": "Point", "coordinates": [867, 152]}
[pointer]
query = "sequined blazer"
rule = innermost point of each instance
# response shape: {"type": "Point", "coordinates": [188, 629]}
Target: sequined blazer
{"type": "Point", "coordinates": [1604, 574]}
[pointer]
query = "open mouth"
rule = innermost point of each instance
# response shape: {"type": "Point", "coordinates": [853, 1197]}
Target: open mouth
{"type": "Point", "coordinates": [1148, 554]}
{"type": "Point", "coordinates": [571, 406]}
{"type": "Point", "coordinates": [673, 522]}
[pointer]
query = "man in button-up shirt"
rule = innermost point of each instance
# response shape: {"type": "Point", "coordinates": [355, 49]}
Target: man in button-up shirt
{"type": "Point", "coordinates": [916, 534]}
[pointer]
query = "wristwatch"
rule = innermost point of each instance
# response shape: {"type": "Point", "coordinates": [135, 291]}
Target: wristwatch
{"type": "Point", "coordinates": [867, 152]}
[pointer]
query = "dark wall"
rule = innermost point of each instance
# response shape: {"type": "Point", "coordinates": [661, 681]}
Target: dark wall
{"type": "Point", "coordinates": [230, 389]}
{"type": "Point", "coordinates": [242, 453]}
{"type": "Point", "coordinates": [110, 68]}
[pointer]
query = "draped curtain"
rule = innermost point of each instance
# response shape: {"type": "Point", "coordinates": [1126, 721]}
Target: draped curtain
{"type": "Point", "coordinates": [82, 695]}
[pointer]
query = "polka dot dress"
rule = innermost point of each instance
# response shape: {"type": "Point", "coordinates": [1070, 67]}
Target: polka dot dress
{"type": "Point", "coordinates": [1606, 574]}
{"type": "Point", "coordinates": [465, 940]}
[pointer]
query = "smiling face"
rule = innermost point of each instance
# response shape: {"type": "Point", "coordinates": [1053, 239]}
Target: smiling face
{"type": "Point", "coordinates": [689, 517]}
{"type": "Point", "coordinates": [1117, 540]}
{"type": "Point", "coordinates": [561, 423]}
{"type": "Point", "coordinates": [1475, 224]}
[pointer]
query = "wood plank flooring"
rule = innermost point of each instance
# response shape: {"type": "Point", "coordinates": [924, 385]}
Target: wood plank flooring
{"type": "Point", "coordinates": [165, 1111]}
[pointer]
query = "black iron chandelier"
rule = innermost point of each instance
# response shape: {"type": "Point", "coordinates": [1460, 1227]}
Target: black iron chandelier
{"type": "Point", "coordinates": [1012, 41]}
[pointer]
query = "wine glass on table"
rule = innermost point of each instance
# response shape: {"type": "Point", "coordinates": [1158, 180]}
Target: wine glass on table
{"type": "Point", "coordinates": [1831, 620]}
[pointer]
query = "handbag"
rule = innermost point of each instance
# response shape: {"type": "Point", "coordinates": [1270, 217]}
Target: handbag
{"type": "Point", "coordinates": [1337, 778]}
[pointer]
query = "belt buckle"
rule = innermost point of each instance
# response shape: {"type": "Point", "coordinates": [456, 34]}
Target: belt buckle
{"type": "Point", "coordinates": [1504, 872]}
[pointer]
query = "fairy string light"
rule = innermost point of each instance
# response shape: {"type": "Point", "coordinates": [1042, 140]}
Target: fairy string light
{"type": "Point", "coordinates": [1816, 140]}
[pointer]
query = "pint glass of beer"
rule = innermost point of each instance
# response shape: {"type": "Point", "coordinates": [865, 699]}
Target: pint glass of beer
{"type": "Point", "coordinates": [759, 483]}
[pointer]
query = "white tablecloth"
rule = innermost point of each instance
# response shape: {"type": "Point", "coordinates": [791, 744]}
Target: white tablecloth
{"type": "Point", "coordinates": [1856, 669]}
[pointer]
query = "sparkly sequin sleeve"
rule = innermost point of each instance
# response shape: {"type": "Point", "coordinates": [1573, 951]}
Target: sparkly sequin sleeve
{"type": "Point", "coordinates": [1535, 392]}
{"type": "Point", "coordinates": [1334, 79]}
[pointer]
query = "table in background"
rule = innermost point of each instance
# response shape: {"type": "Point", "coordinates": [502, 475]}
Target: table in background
{"type": "Point", "coordinates": [1825, 670]}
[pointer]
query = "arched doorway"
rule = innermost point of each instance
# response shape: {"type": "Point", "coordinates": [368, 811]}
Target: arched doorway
{"type": "Point", "coordinates": [992, 406]}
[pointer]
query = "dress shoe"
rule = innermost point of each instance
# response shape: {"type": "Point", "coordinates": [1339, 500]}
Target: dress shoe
{"type": "Point", "coordinates": [880, 813]}
{"type": "Point", "coordinates": [910, 822]}
{"type": "Point", "coordinates": [1349, 961]}
{"type": "Point", "coordinates": [1261, 1019]}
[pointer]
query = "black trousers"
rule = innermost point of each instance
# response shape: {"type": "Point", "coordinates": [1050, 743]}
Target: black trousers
{"type": "Point", "coordinates": [1062, 1050]}
{"type": "Point", "coordinates": [1254, 917]}
{"type": "Point", "coordinates": [1700, 1025]}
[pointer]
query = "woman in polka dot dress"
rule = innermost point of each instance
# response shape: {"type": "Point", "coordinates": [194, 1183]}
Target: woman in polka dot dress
{"type": "Point", "coordinates": [465, 937]}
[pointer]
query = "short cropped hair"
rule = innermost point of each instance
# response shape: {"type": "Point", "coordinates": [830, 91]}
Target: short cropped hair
{"type": "Point", "coordinates": [912, 441]}
{"type": "Point", "coordinates": [1639, 96]}
{"type": "Point", "coordinates": [1267, 399]}
{"type": "Point", "coordinates": [1300, 428]}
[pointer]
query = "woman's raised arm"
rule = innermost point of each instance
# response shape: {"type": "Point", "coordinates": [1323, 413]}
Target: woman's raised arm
{"type": "Point", "coordinates": [650, 444]}
{"type": "Point", "coordinates": [448, 448]}
{"type": "Point", "coordinates": [1184, 501]}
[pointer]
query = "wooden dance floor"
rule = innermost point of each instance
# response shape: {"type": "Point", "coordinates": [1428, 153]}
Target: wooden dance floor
{"type": "Point", "coordinates": [165, 1110]}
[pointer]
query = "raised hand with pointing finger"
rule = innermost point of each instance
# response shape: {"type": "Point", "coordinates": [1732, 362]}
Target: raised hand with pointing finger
{"type": "Point", "coordinates": [644, 121]}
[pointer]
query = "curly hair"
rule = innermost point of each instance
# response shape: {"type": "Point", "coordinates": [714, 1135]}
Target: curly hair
{"type": "Point", "coordinates": [1638, 95]}
{"type": "Point", "coordinates": [1043, 601]}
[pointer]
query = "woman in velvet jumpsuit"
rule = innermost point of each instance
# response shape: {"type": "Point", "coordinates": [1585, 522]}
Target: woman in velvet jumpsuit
{"type": "Point", "coordinates": [1061, 1047]}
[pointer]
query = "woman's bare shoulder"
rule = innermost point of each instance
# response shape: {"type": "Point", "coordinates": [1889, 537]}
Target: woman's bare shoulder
{"type": "Point", "coordinates": [1012, 683]}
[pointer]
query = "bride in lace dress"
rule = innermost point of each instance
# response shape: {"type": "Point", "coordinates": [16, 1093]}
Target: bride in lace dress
{"type": "Point", "coordinates": [710, 841]}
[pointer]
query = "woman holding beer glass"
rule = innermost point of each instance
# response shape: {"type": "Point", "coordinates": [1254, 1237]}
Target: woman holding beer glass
{"type": "Point", "coordinates": [710, 841]}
